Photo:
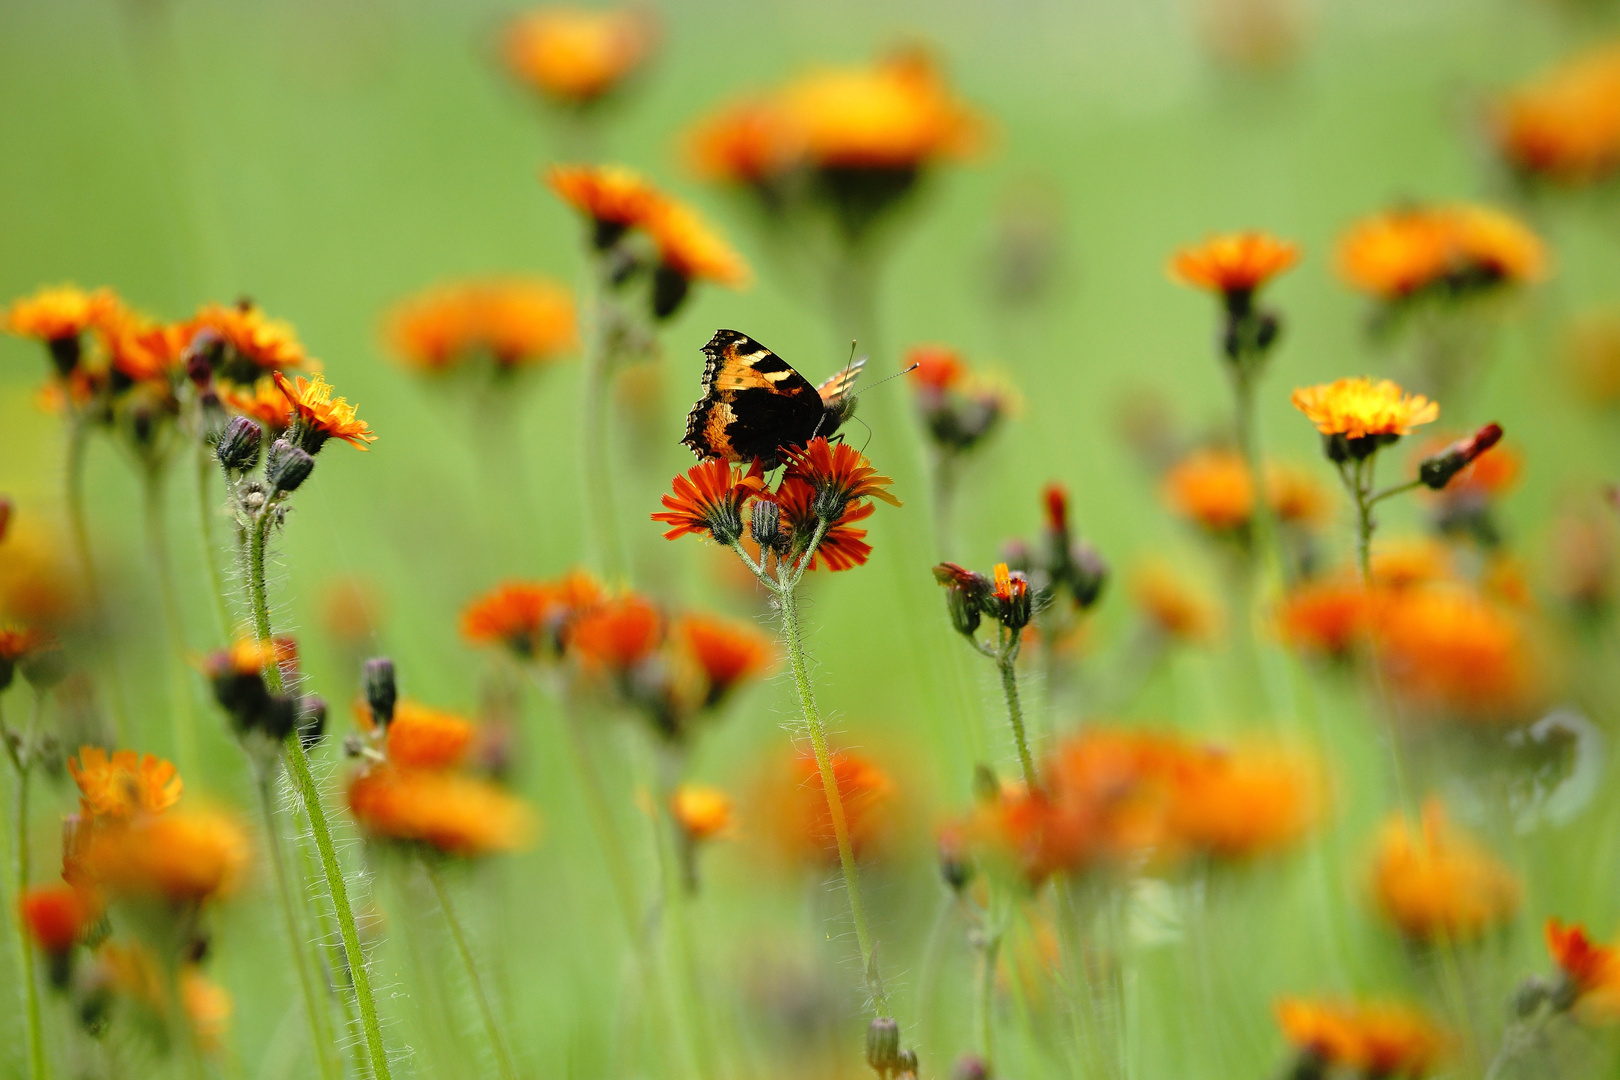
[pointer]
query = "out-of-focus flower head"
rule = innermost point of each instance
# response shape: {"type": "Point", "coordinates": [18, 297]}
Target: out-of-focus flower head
{"type": "Point", "coordinates": [1564, 125]}
{"type": "Point", "coordinates": [1211, 487]}
{"type": "Point", "coordinates": [59, 316]}
{"type": "Point", "coordinates": [253, 344]}
{"type": "Point", "coordinates": [727, 652]}
{"type": "Point", "coordinates": [703, 812]}
{"type": "Point", "coordinates": [802, 818]}
{"type": "Point", "coordinates": [1450, 653]}
{"type": "Point", "coordinates": [617, 634]}
{"type": "Point", "coordinates": [1328, 617]}
{"type": "Point", "coordinates": [184, 857]}
{"type": "Point", "coordinates": [208, 1008]}
{"type": "Point", "coordinates": [1436, 884]}
{"type": "Point", "coordinates": [262, 401]}
{"type": "Point", "coordinates": [449, 812]}
{"type": "Point", "coordinates": [1448, 251]}
{"type": "Point", "coordinates": [124, 784]}
{"type": "Point", "coordinates": [958, 408]}
{"type": "Point", "coordinates": [1171, 605]}
{"type": "Point", "coordinates": [1234, 265]}
{"type": "Point", "coordinates": [1238, 804]}
{"type": "Point", "coordinates": [56, 916]}
{"type": "Point", "coordinates": [513, 323]}
{"type": "Point", "coordinates": [1589, 972]}
{"type": "Point", "coordinates": [1582, 557]}
{"type": "Point", "coordinates": [576, 57]}
{"type": "Point", "coordinates": [18, 645]}
{"type": "Point", "coordinates": [419, 737]}
{"type": "Point", "coordinates": [531, 618]}
{"type": "Point", "coordinates": [1377, 1039]}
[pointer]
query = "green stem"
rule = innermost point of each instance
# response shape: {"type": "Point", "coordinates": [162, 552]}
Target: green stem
{"type": "Point", "coordinates": [310, 794]}
{"type": "Point", "coordinates": [37, 1066]}
{"type": "Point", "coordinates": [206, 465]}
{"type": "Point", "coordinates": [1006, 661]}
{"type": "Point", "coordinates": [157, 544]}
{"type": "Point", "coordinates": [497, 1045]}
{"type": "Point", "coordinates": [320, 1031]}
{"type": "Point", "coordinates": [597, 469]}
{"type": "Point", "coordinates": [984, 1003]}
{"type": "Point", "coordinates": [78, 442]}
{"type": "Point", "coordinates": [677, 868]}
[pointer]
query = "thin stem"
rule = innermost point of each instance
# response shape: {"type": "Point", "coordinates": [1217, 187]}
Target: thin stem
{"type": "Point", "coordinates": [502, 1061]}
{"type": "Point", "coordinates": [984, 995]}
{"type": "Point", "coordinates": [78, 442]}
{"type": "Point", "coordinates": [1395, 490]}
{"type": "Point", "coordinates": [157, 545]}
{"type": "Point", "coordinates": [320, 1031]}
{"type": "Point", "coordinates": [310, 794]}
{"type": "Point", "coordinates": [597, 468]}
{"type": "Point", "coordinates": [1006, 660]}
{"type": "Point", "coordinates": [37, 1065]}
{"type": "Point", "coordinates": [206, 465]}
{"type": "Point", "coordinates": [829, 783]}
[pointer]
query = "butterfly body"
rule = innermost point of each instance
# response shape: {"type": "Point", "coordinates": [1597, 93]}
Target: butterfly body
{"type": "Point", "coordinates": [754, 405]}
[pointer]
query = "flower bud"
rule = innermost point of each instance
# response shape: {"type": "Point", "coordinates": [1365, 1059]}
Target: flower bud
{"type": "Point", "coordinates": [1088, 573]}
{"type": "Point", "coordinates": [377, 680]}
{"type": "Point", "coordinates": [883, 1045]}
{"type": "Point", "coordinates": [44, 666]}
{"type": "Point", "coordinates": [1529, 995]}
{"type": "Point", "coordinates": [311, 721]}
{"type": "Point", "coordinates": [65, 353]}
{"type": "Point", "coordinates": [669, 290]}
{"type": "Point", "coordinates": [966, 596]}
{"type": "Point", "coordinates": [203, 356]}
{"type": "Point", "coordinates": [238, 449]}
{"type": "Point", "coordinates": [280, 716]}
{"type": "Point", "coordinates": [765, 525]}
{"type": "Point", "coordinates": [906, 1064]}
{"type": "Point", "coordinates": [286, 466]}
{"type": "Point", "coordinates": [1436, 470]}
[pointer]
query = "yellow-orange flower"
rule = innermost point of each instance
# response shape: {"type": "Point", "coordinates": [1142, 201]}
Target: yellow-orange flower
{"type": "Point", "coordinates": [1565, 125]}
{"type": "Point", "coordinates": [320, 417]}
{"type": "Point", "coordinates": [727, 652]}
{"type": "Point", "coordinates": [702, 812]}
{"type": "Point", "coordinates": [1384, 1040]}
{"type": "Point", "coordinates": [59, 312]}
{"type": "Point", "coordinates": [1436, 884]}
{"type": "Point", "coordinates": [617, 634]}
{"type": "Point", "coordinates": [1359, 407]}
{"type": "Point", "coordinates": [260, 341]}
{"type": "Point", "coordinates": [182, 857]}
{"type": "Point", "coordinates": [140, 349]}
{"type": "Point", "coordinates": [687, 245]}
{"type": "Point", "coordinates": [751, 141]}
{"type": "Point", "coordinates": [896, 114]}
{"type": "Point", "coordinates": [456, 814]}
{"type": "Point", "coordinates": [514, 322]}
{"type": "Point", "coordinates": [1449, 651]}
{"type": "Point", "coordinates": [1171, 605]}
{"type": "Point", "coordinates": [610, 194]}
{"type": "Point", "coordinates": [1328, 617]}
{"type": "Point", "coordinates": [1242, 803]}
{"type": "Point", "coordinates": [263, 401]}
{"type": "Point", "coordinates": [1212, 488]}
{"type": "Point", "coordinates": [1234, 263]}
{"type": "Point", "coordinates": [575, 56]}
{"type": "Point", "coordinates": [423, 738]}
{"type": "Point", "coordinates": [1401, 252]}
{"type": "Point", "coordinates": [207, 1005]}
{"type": "Point", "coordinates": [125, 784]}
{"type": "Point", "coordinates": [529, 617]}
{"type": "Point", "coordinates": [1592, 970]}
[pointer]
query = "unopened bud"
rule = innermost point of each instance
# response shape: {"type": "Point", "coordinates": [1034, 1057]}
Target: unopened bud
{"type": "Point", "coordinates": [280, 716]}
{"type": "Point", "coordinates": [765, 525]}
{"type": "Point", "coordinates": [1057, 507]}
{"type": "Point", "coordinates": [203, 356]}
{"type": "Point", "coordinates": [669, 290]}
{"type": "Point", "coordinates": [65, 353]}
{"type": "Point", "coordinates": [382, 692]}
{"type": "Point", "coordinates": [238, 449]}
{"type": "Point", "coordinates": [44, 666]}
{"type": "Point", "coordinates": [1088, 573]}
{"type": "Point", "coordinates": [287, 466]}
{"type": "Point", "coordinates": [906, 1065]}
{"type": "Point", "coordinates": [967, 595]}
{"type": "Point", "coordinates": [1437, 470]}
{"type": "Point", "coordinates": [312, 721]}
{"type": "Point", "coordinates": [883, 1045]}
{"type": "Point", "coordinates": [1529, 995]}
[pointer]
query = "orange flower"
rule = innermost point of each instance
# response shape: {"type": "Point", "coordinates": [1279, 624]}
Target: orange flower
{"type": "Point", "coordinates": [1357, 408]}
{"type": "Point", "coordinates": [1401, 252]}
{"type": "Point", "coordinates": [1234, 263]}
{"type": "Point", "coordinates": [207, 1005]}
{"type": "Point", "coordinates": [1592, 971]}
{"type": "Point", "coordinates": [727, 651]}
{"type": "Point", "coordinates": [702, 812]}
{"type": "Point", "coordinates": [709, 499]}
{"type": "Point", "coordinates": [938, 368]}
{"type": "Point", "coordinates": [575, 57]}
{"type": "Point", "coordinates": [529, 617]}
{"type": "Point", "coordinates": [182, 857]}
{"type": "Point", "coordinates": [1170, 605]}
{"type": "Point", "coordinates": [259, 341]}
{"type": "Point", "coordinates": [896, 114]}
{"type": "Point", "coordinates": [839, 473]}
{"type": "Point", "coordinates": [1328, 617]}
{"type": "Point", "coordinates": [423, 738]}
{"type": "Point", "coordinates": [18, 643]}
{"type": "Point", "coordinates": [864, 789]}
{"type": "Point", "coordinates": [1294, 495]}
{"type": "Point", "coordinates": [1211, 488]}
{"type": "Point", "coordinates": [842, 547]}
{"type": "Point", "coordinates": [1439, 884]}
{"type": "Point", "coordinates": [123, 785]}
{"type": "Point", "coordinates": [617, 634]}
{"type": "Point", "coordinates": [607, 194]}
{"type": "Point", "coordinates": [59, 312]}
{"type": "Point", "coordinates": [1235, 805]}
{"type": "Point", "coordinates": [1565, 125]}
{"type": "Point", "coordinates": [263, 401]}
{"type": "Point", "coordinates": [1378, 1040]}
{"type": "Point", "coordinates": [320, 417]}
{"type": "Point", "coordinates": [456, 814]}
{"type": "Point", "coordinates": [746, 142]}
{"type": "Point", "coordinates": [138, 348]}
{"type": "Point", "coordinates": [56, 916]}
{"type": "Point", "coordinates": [1448, 650]}
{"type": "Point", "coordinates": [514, 322]}
{"type": "Point", "coordinates": [1401, 564]}
{"type": "Point", "coordinates": [688, 246]}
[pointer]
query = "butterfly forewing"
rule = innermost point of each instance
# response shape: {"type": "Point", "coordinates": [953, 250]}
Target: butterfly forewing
{"type": "Point", "coordinates": [753, 402]}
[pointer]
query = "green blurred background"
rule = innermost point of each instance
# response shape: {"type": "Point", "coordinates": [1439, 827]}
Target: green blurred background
{"type": "Point", "coordinates": [328, 158]}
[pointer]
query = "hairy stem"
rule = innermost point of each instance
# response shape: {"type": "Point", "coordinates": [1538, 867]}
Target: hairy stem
{"type": "Point", "coordinates": [205, 526]}
{"type": "Point", "coordinates": [502, 1061]}
{"type": "Point", "coordinates": [597, 468]}
{"type": "Point", "coordinates": [157, 545]}
{"type": "Point", "coordinates": [1006, 661]}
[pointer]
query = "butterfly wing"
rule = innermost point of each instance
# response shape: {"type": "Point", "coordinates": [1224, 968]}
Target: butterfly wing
{"type": "Point", "coordinates": [837, 388]}
{"type": "Point", "coordinates": [753, 402]}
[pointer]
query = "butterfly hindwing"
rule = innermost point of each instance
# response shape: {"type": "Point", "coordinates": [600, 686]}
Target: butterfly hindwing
{"type": "Point", "coordinates": [753, 402]}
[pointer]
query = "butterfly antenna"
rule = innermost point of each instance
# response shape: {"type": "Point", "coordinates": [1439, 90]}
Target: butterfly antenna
{"type": "Point", "coordinates": [896, 375]}
{"type": "Point", "coordinates": [868, 428]}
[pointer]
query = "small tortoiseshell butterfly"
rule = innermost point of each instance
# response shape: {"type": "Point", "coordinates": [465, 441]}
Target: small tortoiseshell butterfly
{"type": "Point", "coordinates": [754, 404]}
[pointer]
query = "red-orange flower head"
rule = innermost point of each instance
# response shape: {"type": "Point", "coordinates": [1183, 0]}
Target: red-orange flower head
{"type": "Point", "coordinates": [1589, 972]}
{"type": "Point", "coordinates": [1013, 603]}
{"type": "Point", "coordinates": [530, 618]}
{"type": "Point", "coordinates": [617, 635]}
{"type": "Point", "coordinates": [450, 812]}
{"type": "Point", "coordinates": [839, 474]}
{"type": "Point", "coordinates": [864, 790]}
{"type": "Point", "coordinates": [56, 916]}
{"type": "Point", "coordinates": [1376, 1040]}
{"type": "Point", "coordinates": [958, 408]}
{"type": "Point", "coordinates": [1234, 265]}
{"type": "Point", "coordinates": [842, 546]}
{"type": "Point", "coordinates": [320, 416]}
{"type": "Point", "coordinates": [727, 652]}
{"type": "Point", "coordinates": [577, 57]}
{"type": "Point", "coordinates": [709, 499]}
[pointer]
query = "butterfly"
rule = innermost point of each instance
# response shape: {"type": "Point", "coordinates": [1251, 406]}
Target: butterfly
{"type": "Point", "coordinates": [754, 404]}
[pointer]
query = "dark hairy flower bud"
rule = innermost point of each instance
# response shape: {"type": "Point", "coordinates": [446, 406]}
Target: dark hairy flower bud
{"type": "Point", "coordinates": [286, 466]}
{"type": "Point", "coordinates": [883, 1045]}
{"type": "Point", "coordinates": [311, 721]}
{"type": "Point", "coordinates": [203, 356]}
{"type": "Point", "coordinates": [238, 449]}
{"type": "Point", "coordinates": [765, 525]}
{"type": "Point", "coordinates": [281, 716]}
{"type": "Point", "coordinates": [966, 596]}
{"type": "Point", "coordinates": [382, 692]}
{"type": "Point", "coordinates": [906, 1063]}
{"type": "Point", "coordinates": [1437, 470]}
{"type": "Point", "coordinates": [1088, 573]}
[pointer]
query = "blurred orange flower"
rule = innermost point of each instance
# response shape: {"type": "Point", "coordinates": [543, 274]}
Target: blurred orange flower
{"type": "Point", "coordinates": [182, 857]}
{"type": "Point", "coordinates": [703, 812]}
{"type": "Point", "coordinates": [1170, 604]}
{"type": "Point", "coordinates": [1327, 616]}
{"type": "Point", "coordinates": [530, 617]}
{"type": "Point", "coordinates": [1400, 252]}
{"type": "Point", "coordinates": [125, 784]}
{"type": "Point", "coordinates": [1436, 884]}
{"type": "Point", "coordinates": [422, 738]}
{"type": "Point", "coordinates": [1212, 488]}
{"type": "Point", "coordinates": [1236, 804]}
{"type": "Point", "coordinates": [1234, 263]}
{"type": "Point", "coordinates": [56, 916]}
{"type": "Point", "coordinates": [512, 321]}
{"type": "Point", "coordinates": [263, 401]}
{"type": "Point", "coordinates": [897, 113]}
{"type": "Point", "coordinates": [1449, 651]}
{"type": "Point", "coordinates": [1565, 125]}
{"type": "Point", "coordinates": [458, 815]}
{"type": "Point", "coordinates": [574, 56]}
{"type": "Point", "coordinates": [617, 634]}
{"type": "Point", "coordinates": [687, 245]}
{"type": "Point", "coordinates": [208, 1007]}
{"type": "Point", "coordinates": [803, 818]}
{"type": "Point", "coordinates": [608, 194]}
{"type": "Point", "coordinates": [727, 651]}
{"type": "Point", "coordinates": [1373, 1039]}
{"type": "Point", "coordinates": [258, 340]}
{"type": "Point", "coordinates": [1592, 970]}
{"type": "Point", "coordinates": [59, 312]}
{"type": "Point", "coordinates": [750, 141]}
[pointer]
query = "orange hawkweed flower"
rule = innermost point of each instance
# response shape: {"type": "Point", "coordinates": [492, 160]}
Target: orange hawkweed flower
{"type": "Point", "coordinates": [575, 57]}
{"type": "Point", "coordinates": [515, 322]}
{"type": "Point", "coordinates": [1592, 971]}
{"type": "Point", "coordinates": [1239, 804]}
{"type": "Point", "coordinates": [263, 401]}
{"type": "Point", "coordinates": [1378, 1040]}
{"type": "Point", "coordinates": [455, 814]}
{"type": "Point", "coordinates": [529, 617]}
{"type": "Point", "coordinates": [56, 916]}
{"type": "Point", "coordinates": [709, 499]}
{"type": "Point", "coordinates": [1328, 617]}
{"type": "Point", "coordinates": [140, 349]}
{"type": "Point", "coordinates": [842, 547]}
{"type": "Point", "coordinates": [183, 857]}
{"type": "Point", "coordinates": [1401, 252]}
{"type": "Point", "coordinates": [1211, 488]}
{"type": "Point", "coordinates": [839, 473]}
{"type": "Point", "coordinates": [320, 417]}
{"type": "Point", "coordinates": [751, 141]}
{"type": "Point", "coordinates": [727, 651]}
{"type": "Point", "coordinates": [1449, 651]}
{"type": "Point", "coordinates": [607, 194]}
{"type": "Point", "coordinates": [57, 312]}
{"type": "Point", "coordinates": [1436, 883]}
{"type": "Point", "coordinates": [936, 368]}
{"type": "Point", "coordinates": [123, 785]}
{"type": "Point", "coordinates": [208, 1007]}
{"type": "Point", "coordinates": [1565, 125]}
{"type": "Point", "coordinates": [1233, 263]}
{"type": "Point", "coordinates": [688, 246]}
{"type": "Point", "coordinates": [1360, 407]}
{"type": "Point", "coordinates": [864, 789]}
{"type": "Point", "coordinates": [617, 634]}
{"type": "Point", "coordinates": [1170, 604]}
{"type": "Point", "coordinates": [702, 812]}
{"type": "Point", "coordinates": [259, 341]}
{"type": "Point", "coordinates": [423, 738]}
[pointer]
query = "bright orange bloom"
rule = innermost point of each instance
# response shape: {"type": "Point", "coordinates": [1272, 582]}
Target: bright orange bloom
{"type": "Point", "coordinates": [611, 194]}
{"type": "Point", "coordinates": [1439, 883]}
{"type": "Point", "coordinates": [727, 651]}
{"type": "Point", "coordinates": [1170, 605]}
{"type": "Point", "coordinates": [864, 789]}
{"type": "Point", "coordinates": [140, 349]}
{"type": "Point", "coordinates": [207, 1005]}
{"type": "Point", "coordinates": [514, 322]}
{"type": "Point", "coordinates": [617, 634]}
{"type": "Point", "coordinates": [746, 142]}
{"type": "Point", "coordinates": [456, 814]}
{"type": "Point", "coordinates": [1237, 263]}
{"type": "Point", "coordinates": [938, 367]}
{"type": "Point", "coordinates": [896, 114]}
{"type": "Point", "coordinates": [182, 857]}
{"type": "Point", "coordinates": [262, 342]}
{"type": "Point", "coordinates": [263, 401]}
{"type": "Point", "coordinates": [703, 812]}
{"type": "Point", "coordinates": [687, 245]}
{"type": "Point", "coordinates": [1592, 970]}
{"type": "Point", "coordinates": [58, 312]}
{"type": "Point", "coordinates": [1239, 804]}
{"type": "Point", "coordinates": [318, 413]}
{"type": "Point", "coordinates": [1329, 617]}
{"type": "Point", "coordinates": [1359, 407]}
{"type": "Point", "coordinates": [1401, 564]}
{"type": "Point", "coordinates": [1007, 586]}
{"type": "Point", "coordinates": [57, 916]}
{"type": "Point", "coordinates": [1400, 252]}
{"type": "Point", "coordinates": [839, 472]}
{"type": "Point", "coordinates": [1211, 488]}
{"type": "Point", "coordinates": [709, 499]}
{"type": "Point", "coordinates": [423, 738]}
{"type": "Point", "coordinates": [1565, 125]}
{"type": "Point", "coordinates": [529, 617]}
{"type": "Point", "coordinates": [125, 784]}
{"type": "Point", "coordinates": [842, 547]}
{"type": "Point", "coordinates": [575, 56]}
{"type": "Point", "coordinates": [1448, 650]}
{"type": "Point", "coordinates": [1378, 1040]}
{"type": "Point", "coordinates": [18, 643]}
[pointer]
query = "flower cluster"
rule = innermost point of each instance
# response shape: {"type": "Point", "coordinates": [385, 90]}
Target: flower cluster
{"type": "Point", "coordinates": [1367, 1040]}
{"type": "Point", "coordinates": [1059, 564]}
{"type": "Point", "coordinates": [1436, 885]}
{"type": "Point", "coordinates": [510, 324]}
{"type": "Point", "coordinates": [1564, 126]}
{"type": "Point", "coordinates": [958, 408]}
{"type": "Point", "coordinates": [1446, 252]}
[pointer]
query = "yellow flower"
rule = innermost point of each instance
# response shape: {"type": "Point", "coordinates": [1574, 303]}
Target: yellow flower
{"type": "Point", "coordinates": [320, 416]}
{"type": "Point", "coordinates": [125, 784]}
{"type": "Point", "coordinates": [1357, 408]}
{"type": "Point", "coordinates": [59, 311]}
{"type": "Point", "coordinates": [574, 56]}
{"type": "Point", "coordinates": [458, 815]}
{"type": "Point", "coordinates": [1436, 884]}
{"type": "Point", "coordinates": [1461, 246]}
{"type": "Point", "coordinates": [208, 1007]}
